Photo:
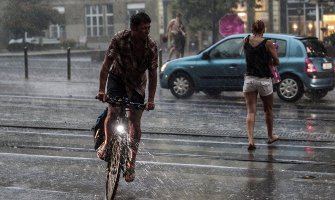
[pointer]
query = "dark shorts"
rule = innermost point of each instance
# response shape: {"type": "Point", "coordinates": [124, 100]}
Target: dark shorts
{"type": "Point", "coordinates": [116, 88]}
{"type": "Point", "coordinates": [179, 42]}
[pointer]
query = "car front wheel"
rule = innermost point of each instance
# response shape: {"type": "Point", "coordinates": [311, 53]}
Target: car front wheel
{"type": "Point", "coordinates": [181, 85]}
{"type": "Point", "coordinates": [290, 89]}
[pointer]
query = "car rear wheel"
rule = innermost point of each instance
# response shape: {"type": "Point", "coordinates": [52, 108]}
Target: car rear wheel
{"type": "Point", "coordinates": [181, 85]}
{"type": "Point", "coordinates": [290, 88]}
{"type": "Point", "coordinates": [316, 94]}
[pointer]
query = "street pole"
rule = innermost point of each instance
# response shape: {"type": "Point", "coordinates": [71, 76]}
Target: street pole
{"type": "Point", "coordinates": [317, 21]}
{"type": "Point", "coordinates": [26, 62]}
{"type": "Point", "coordinates": [305, 27]}
{"type": "Point", "coordinates": [250, 14]}
{"type": "Point", "coordinates": [69, 63]}
{"type": "Point", "coordinates": [287, 23]}
{"type": "Point", "coordinates": [160, 59]}
{"type": "Point", "coordinates": [270, 8]}
{"type": "Point", "coordinates": [214, 31]}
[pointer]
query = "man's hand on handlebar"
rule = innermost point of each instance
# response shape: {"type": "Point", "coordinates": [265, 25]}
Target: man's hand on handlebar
{"type": "Point", "coordinates": [150, 106]}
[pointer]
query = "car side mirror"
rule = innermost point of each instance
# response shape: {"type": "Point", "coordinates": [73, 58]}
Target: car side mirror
{"type": "Point", "coordinates": [205, 56]}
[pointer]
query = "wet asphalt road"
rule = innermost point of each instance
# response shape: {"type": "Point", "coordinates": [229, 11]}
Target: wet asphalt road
{"type": "Point", "coordinates": [190, 149]}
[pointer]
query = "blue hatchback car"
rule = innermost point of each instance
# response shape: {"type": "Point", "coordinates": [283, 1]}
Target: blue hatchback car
{"type": "Point", "coordinates": [304, 67]}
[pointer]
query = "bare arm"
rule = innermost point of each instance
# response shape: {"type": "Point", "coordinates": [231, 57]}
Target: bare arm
{"type": "Point", "coordinates": [168, 28]}
{"type": "Point", "coordinates": [152, 73]}
{"type": "Point", "coordinates": [104, 74]}
{"type": "Point", "coordinates": [182, 30]}
{"type": "Point", "coordinates": [152, 80]}
{"type": "Point", "coordinates": [106, 65]}
{"type": "Point", "coordinates": [271, 48]}
{"type": "Point", "coordinates": [152, 84]}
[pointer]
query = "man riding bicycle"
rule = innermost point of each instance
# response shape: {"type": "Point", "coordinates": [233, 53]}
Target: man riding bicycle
{"type": "Point", "coordinates": [130, 54]}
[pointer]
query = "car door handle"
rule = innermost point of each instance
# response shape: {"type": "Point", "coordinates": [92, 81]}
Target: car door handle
{"type": "Point", "coordinates": [232, 66]}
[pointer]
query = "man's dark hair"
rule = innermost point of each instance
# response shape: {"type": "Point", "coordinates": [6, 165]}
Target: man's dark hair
{"type": "Point", "coordinates": [138, 18]}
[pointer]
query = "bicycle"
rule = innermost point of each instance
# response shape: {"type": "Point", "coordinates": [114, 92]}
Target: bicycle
{"type": "Point", "coordinates": [119, 145]}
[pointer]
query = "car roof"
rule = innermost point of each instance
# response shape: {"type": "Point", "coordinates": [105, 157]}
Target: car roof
{"type": "Point", "coordinates": [273, 35]}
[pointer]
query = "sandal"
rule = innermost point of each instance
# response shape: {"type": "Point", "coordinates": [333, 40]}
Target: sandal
{"type": "Point", "coordinates": [276, 138]}
{"type": "Point", "coordinates": [104, 153]}
{"type": "Point", "coordinates": [251, 147]}
{"type": "Point", "coordinates": [129, 174]}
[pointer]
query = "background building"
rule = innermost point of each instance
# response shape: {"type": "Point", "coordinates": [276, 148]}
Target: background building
{"type": "Point", "coordinates": [92, 23]}
{"type": "Point", "coordinates": [3, 33]}
{"type": "Point", "coordinates": [302, 17]}
{"type": "Point", "coordinates": [267, 10]}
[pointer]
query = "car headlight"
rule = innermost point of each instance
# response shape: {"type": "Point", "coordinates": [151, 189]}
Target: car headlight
{"type": "Point", "coordinates": [164, 66]}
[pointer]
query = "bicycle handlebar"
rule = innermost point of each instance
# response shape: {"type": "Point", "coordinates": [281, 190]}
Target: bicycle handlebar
{"type": "Point", "coordinates": [119, 102]}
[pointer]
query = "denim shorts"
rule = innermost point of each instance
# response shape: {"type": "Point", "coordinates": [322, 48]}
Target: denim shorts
{"type": "Point", "coordinates": [262, 85]}
{"type": "Point", "coordinates": [117, 88]}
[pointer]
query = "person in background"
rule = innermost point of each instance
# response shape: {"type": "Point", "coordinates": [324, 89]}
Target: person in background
{"type": "Point", "coordinates": [260, 52]}
{"type": "Point", "coordinates": [181, 46]}
{"type": "Point", "coordinates": [176, 35]}
{"type": "Point", "coordinates": [130, 55]}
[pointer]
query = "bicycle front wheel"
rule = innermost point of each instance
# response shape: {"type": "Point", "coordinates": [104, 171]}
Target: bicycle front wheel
{"type": "Point", "coordinates": [113, 171]}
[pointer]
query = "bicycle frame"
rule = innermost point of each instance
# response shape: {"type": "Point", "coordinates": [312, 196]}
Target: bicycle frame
{"type": "Point", "coordinates": [121, 135]}
{"type": "Point", "coordinates": [120, 147]}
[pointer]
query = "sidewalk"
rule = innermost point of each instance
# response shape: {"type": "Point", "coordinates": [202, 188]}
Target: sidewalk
{"type": "Point", "coordinates": [175, 116]}
{"type": "Point", "coordinates": [49, 52]}
{"type": "Point", "coordinates": [179, 116]}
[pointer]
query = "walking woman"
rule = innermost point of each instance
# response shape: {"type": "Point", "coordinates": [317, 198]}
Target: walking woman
{"type": "Point", "coordinates": [260, 52]}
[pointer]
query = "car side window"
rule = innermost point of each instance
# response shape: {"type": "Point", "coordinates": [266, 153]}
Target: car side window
{"type": "Point", "coordinates": [228, 49]}
{"type": "Point", "coordinates": [281, 47]}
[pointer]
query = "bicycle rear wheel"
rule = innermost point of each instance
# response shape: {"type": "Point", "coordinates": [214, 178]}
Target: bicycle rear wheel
{"type": "Point", "coordinates": [113, 171]}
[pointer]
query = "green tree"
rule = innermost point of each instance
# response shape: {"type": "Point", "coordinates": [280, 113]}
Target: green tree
{"type": "Point", "coordinates": [31, 16]}
{"type": "Point", "coordinates": [200, 15]}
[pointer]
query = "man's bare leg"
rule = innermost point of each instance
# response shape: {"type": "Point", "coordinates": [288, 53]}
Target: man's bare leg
{"type": "Point", "coordinates": [172, 50]}
{"type": "Point", "coordinates": [110, 119]}
{"type": "Point", "coordinates": [135, 134]}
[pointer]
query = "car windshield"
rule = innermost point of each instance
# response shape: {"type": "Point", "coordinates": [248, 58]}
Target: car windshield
{"type": "Point", "coordinates": [314, 48]}
{"type": "Point", "coordinates": [204, 49]}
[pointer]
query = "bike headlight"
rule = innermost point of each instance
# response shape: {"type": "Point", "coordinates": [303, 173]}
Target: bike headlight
{"type": "Point", "coordinates": [120, 129]}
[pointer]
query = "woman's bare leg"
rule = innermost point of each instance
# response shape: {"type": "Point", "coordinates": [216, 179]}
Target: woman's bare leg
{"type": "Point", "coordinates": [268, 104]}
{"type": "Point", "coordinates": [251, 100]}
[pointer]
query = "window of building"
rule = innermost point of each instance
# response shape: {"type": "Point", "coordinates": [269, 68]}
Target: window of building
{"type": "Point", "coordinates": [55, 31]}
{"type": "Point", "coordinates": [109, 19]}
{"type": "Point", "coordinates": [99, 20]}
{"type": "Point", "coordinates": [133, 8]}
